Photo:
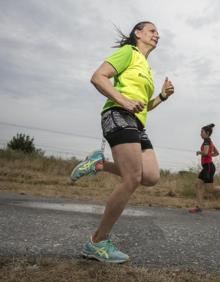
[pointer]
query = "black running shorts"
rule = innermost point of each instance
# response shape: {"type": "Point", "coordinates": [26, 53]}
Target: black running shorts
{"type": "Point", "coordinates": [120, 126]}
{"type": "Point", "coordinates": [207, 173]}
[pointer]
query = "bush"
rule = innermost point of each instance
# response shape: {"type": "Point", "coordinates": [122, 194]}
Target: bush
{"type": "Point", "coordinates": [22, 142]}
{"type": "Point", "coordinates": [165, 172]}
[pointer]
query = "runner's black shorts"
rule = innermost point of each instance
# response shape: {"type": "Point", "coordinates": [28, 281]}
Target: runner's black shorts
{"type": "Point", "coordinates": [207, 173]}
{"type": "Point", "coordinates": [120, 126]}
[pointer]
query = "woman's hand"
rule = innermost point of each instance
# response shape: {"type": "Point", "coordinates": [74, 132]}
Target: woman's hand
{"type": "Point", "coordinates": [132, 105]}
{"type": "Point", "coordinates": [167, 88]}
{"type": "Point", "coordinates": [198, 153]}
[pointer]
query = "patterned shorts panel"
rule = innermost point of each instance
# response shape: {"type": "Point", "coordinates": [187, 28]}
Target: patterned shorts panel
{"type": "Point", "coordinates": [120, 126]}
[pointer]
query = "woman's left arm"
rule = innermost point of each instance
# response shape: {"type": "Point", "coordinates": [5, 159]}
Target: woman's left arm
{"type": "Point", "coordinates": [166, 91]}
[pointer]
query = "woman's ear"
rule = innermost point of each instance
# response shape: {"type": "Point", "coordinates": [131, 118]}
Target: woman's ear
{"type": "Point", "coordinates": [137, 33]}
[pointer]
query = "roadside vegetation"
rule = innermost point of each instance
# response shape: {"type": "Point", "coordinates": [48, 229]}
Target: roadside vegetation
{"type": "Point", "coordinates": [36, 174]}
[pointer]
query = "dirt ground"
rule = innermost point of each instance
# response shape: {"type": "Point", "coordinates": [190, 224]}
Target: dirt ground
{"type": "Point", "coordinates": [47, 269]}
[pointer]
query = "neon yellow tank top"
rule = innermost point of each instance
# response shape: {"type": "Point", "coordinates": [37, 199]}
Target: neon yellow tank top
{"type": "Point", "coordinates": [134, 79]}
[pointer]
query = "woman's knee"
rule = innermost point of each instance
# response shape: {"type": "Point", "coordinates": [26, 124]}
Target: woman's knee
{"type": "Point", "coordinates": [151, 179]}
{"type": "Point", "coordinates": [210, 188]}
{"type": "Point", "coordinates": [132, 181]}
{"type": "Point", "coordinates": [199, 184]}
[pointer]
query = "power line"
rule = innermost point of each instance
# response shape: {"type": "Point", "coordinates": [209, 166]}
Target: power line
{"type": "Point", "coordinates": [175, 149]}
{"type": "Point", "coordinates": [82, 136]}
{"type": "Point", "coordinates": [49, 130]}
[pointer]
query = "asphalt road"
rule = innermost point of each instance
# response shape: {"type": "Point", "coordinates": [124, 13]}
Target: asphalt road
{"type": "Point", "coordinates": [31, 226]}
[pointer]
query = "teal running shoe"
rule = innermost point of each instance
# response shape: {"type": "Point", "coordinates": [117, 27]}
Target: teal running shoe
{"type": "Point", "coordinates": [104, 251]}
{"type": "Point", "coordinates": [90, 166]}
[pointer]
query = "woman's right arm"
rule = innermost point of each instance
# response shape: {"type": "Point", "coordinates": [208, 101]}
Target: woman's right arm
{"type": "Point", "coordinates": [215, 153]}
{"type": "Point", "coordinates": [204, 152]}
{"type": "Point", "coordinates": [101, 80]}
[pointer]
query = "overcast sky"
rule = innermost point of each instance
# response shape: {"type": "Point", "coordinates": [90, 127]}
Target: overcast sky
{"type": "Point", "coordinates": [50, 48]}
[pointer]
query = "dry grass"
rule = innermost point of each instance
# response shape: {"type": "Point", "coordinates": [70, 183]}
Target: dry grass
{"type": "Point", "coordinates": [50, 270]}
{"type": "Point", "coordinates": [41, 176]}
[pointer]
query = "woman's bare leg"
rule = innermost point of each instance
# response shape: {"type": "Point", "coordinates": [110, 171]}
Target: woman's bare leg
{"type": "Point", "coordinates": [200, 193]}
{"type": "Point", "coordinates": [128, 158]}
{"type": "Point", "coordinates": [150, 168]}
{"type": "Point", "coordinates": [111, 168]}
{"type": "Point", "coordinates": [210, 187]}
{"type": "Point", "coordinates": [138, 167]}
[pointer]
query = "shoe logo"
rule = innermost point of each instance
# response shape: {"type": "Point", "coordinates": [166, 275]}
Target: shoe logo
{"type": "Point", "coordinates": [87, 165]}
{"type": "Point", "coordinates": [102, 252]}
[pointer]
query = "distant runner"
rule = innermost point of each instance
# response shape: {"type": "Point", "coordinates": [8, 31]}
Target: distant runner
{"type": "Point", "coordinates": [123, 123]}
{"type": "Point", "coordinates": [205, 178]}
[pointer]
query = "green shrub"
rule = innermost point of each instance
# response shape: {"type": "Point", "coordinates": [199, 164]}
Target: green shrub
{"type": "Point", "coordinates": [165, 172]}
{"type": "Point", "coordinates": [22, 142]}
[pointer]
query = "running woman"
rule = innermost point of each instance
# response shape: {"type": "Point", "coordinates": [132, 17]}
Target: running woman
{"type": "Point", "coordinates": [123, 123]}
{"type": "Point", "coordinates": [205, 178]}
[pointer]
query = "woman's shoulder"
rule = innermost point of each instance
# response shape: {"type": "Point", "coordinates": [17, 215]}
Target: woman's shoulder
{"type": "Point", "coordinates": [121, 58]}
{"type": "Point", "coordinates": [207, 141]}
{"type": "Point", "coordinates": [127, 50]}
{"type": "Point", "coordinates": [128, 46]}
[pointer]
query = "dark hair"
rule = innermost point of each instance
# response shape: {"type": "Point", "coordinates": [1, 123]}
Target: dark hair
{"type": "Point", "coordinates": [208, 128]}
{"type": "Point", "coordinates": [131, 39]}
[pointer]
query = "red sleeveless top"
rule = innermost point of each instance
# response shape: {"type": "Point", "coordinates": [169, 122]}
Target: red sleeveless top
{"type": "Point", "coordinates": [207, 159]}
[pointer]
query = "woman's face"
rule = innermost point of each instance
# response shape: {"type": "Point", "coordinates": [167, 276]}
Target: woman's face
{"type": "Point", "coordinates": [148, 35]}
{"type": "Point", "coordinates": [204, 134]}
